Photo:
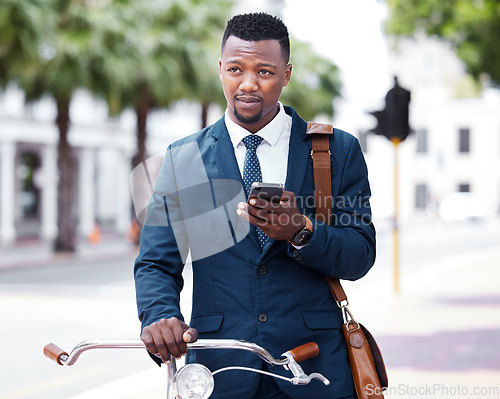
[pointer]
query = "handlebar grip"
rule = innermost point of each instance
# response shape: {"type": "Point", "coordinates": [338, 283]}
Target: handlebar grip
{"type": "Point", "coordinates": [53, 352]}
{"type": "Point", "coordinates": [304, 352]}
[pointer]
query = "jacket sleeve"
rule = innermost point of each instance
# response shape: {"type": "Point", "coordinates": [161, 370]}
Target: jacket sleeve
{"type": "Point", "coordinates": [346, 249]}
{"type": "Point", "coordinates": [163, 251]}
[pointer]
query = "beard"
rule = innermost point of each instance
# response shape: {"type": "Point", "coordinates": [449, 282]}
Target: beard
{"type": "Point", "coordinates": [247, 120]}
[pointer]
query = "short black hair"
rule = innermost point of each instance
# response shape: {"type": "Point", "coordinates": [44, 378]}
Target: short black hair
{"type": "Point", "coordinates": [258, 26]}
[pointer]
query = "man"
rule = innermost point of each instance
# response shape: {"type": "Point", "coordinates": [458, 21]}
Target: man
{"type": "Point", "coordinates": [257, 284]}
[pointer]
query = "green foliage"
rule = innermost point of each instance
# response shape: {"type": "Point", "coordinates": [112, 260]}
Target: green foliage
{"type": "Point", "coordinates": [47, 46]}
{"type": "Point", "coordinates": [118, 49]}
{"type": "Point", "coordinates": [314, 84]}
{"type": "Point", "coordinates": [466, 87]}
{"type": "Point", "coordinates": [154, 50]}
{"type": "Point", "coordinates": [129, 50]}
{"type": "Point", "coordinates": [21, 23]}
{"type": "Point", "coordinates": [471, 26]}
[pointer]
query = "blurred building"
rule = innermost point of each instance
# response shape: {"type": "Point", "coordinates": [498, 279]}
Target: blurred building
{"type": "Point", "coordinates": [450, 164]}
{"type": "Point", "coordinates": [103, 149]}
{"type": "Point", "coordinates": [28, 167]}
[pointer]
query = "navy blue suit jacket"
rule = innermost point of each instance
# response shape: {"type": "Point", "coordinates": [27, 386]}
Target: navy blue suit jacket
{"type": "Point", "coordinates": [235, 281]}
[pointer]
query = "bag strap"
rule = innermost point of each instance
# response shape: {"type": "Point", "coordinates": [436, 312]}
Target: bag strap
{"type": "Point", "coordinates": [322, 167]}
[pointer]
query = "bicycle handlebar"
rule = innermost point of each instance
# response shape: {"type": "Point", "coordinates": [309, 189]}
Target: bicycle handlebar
{"type": "Point", "coordinates": [289, 359]}
{"type": "Point", "coordinates": [61, 357]}
{"type": "Point", "coordinates": [299, 354]}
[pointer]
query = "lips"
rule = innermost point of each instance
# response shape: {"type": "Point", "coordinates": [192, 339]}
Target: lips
{"type": "Point", "coordinates": [247, 101]}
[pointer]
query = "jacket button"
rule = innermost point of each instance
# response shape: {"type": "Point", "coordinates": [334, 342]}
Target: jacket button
{"type": "Point", "coordinates": [262, 270]}
{"type": "Point", "coordinates": [262, 318]}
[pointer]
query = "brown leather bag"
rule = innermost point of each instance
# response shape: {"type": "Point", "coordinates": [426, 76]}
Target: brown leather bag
{"type": "Point", "coordinates": [365, 359]}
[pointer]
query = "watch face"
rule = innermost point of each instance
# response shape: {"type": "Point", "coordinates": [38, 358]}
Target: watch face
{"type": "Point", "coordinates": [303, 237]}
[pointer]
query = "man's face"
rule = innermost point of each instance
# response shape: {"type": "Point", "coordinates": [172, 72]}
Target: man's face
{"type": "Point", "coordinates": [253, 74]}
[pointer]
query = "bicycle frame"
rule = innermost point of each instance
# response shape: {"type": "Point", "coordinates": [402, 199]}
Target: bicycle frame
{"type": "Point", "coordinates": [289, 359]}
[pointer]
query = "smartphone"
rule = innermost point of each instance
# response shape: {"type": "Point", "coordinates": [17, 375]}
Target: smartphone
{"type": "Point", "coordinates": [268, 191]}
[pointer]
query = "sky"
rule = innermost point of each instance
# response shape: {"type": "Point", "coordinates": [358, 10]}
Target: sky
{"type": "Point", "coordinates": [350, 33]}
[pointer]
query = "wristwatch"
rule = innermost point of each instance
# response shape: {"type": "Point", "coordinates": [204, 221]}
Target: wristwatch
{"type": "Point", "coordinates": [303, 236]}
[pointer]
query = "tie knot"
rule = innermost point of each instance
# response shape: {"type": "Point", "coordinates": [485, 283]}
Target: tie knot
{"type": "Point", "coordinates": [252, 141]}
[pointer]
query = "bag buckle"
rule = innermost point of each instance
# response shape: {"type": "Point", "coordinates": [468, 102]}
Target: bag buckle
{"type": "Point", "coordinates": [343, 304]}
{"type": "Point", "coordinates": [312, 153]}
{"type": "Point", "coordinates": [349, 320]}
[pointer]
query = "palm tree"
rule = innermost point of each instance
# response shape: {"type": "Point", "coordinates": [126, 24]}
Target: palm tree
{"type": "Point", "coordinates": [47, 50]}
{"type": "Point", "coordinates": [204, 84]}
{"type": "Point", "coordinates": [150, 58]}
{"type": "Point", "coordinates": [70, 43]}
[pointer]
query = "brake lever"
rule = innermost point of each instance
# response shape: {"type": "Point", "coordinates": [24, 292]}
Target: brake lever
{"type": "Point", "coordinates": [313, 376]}
{"type": "Point", "coordinates": [299, 377]}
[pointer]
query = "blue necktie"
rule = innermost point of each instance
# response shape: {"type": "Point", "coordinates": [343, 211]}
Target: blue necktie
{"type": "Point", "coordinates": [251, 171]}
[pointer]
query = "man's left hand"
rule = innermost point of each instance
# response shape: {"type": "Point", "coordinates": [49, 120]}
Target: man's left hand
{"type": "Point", "coordinates": [279, 221]}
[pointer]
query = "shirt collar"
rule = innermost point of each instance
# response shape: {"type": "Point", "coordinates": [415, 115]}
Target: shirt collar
{"type": "Point", "coordinates": [270, 133]}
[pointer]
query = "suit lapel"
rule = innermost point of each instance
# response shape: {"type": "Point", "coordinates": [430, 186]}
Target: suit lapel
{"type": "Point", "coordinates": [298, 154]}
{"type": "Point", "coordinates": [223, 152]}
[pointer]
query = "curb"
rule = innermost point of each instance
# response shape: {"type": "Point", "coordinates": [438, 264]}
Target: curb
{"type": "Point", "coordinates": [40, 255]}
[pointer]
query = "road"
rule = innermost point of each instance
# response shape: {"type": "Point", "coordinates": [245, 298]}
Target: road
{"type": "Point", "coordinates": [67, 303]}
{"type": "Point", "coordinates": [71, 301]}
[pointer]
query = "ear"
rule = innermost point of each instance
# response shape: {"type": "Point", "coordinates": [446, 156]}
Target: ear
{"type": "Point", "coordinates": [288, 75]}
{"type": "Point", "coordinates": [220, 69]}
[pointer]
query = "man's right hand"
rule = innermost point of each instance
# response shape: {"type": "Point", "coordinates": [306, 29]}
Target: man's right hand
{"type": "Point", "coordinates": [168, 337]}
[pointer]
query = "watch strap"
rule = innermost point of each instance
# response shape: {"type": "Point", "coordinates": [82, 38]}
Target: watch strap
{"type": "Point", "coordinates": [309, 223]}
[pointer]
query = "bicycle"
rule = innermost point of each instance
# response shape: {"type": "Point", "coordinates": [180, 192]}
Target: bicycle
{"type": "Point", "coordinates": [193, 380]}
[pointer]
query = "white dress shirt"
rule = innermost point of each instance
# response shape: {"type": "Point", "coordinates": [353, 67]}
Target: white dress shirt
{"type": "Point", "coordinates": [272, 152]}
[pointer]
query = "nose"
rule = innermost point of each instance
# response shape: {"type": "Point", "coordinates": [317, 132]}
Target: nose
{"type": "Point", "coordinates": [249, 83]}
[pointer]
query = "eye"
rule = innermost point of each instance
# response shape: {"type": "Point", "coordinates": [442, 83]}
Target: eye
{"type": "Point", "coordinates": [265, 72]}
{"type": "Point", "coordinates": [233, 69]}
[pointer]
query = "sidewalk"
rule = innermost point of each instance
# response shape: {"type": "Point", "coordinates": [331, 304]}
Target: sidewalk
{"type": "Point", "coordinates": [36, 253]}
{"type": "Point", "coordinates": [440, 336]}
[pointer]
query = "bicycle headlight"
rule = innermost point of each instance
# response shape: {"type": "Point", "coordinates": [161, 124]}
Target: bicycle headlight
{"type": "Point", "coordinates": [194, 381]}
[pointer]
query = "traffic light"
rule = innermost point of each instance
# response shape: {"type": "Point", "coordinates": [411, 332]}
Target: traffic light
{"type": "Point", "coordinates": [393, 120]}
{"type": "Point", "coordinates": [381, 127]}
